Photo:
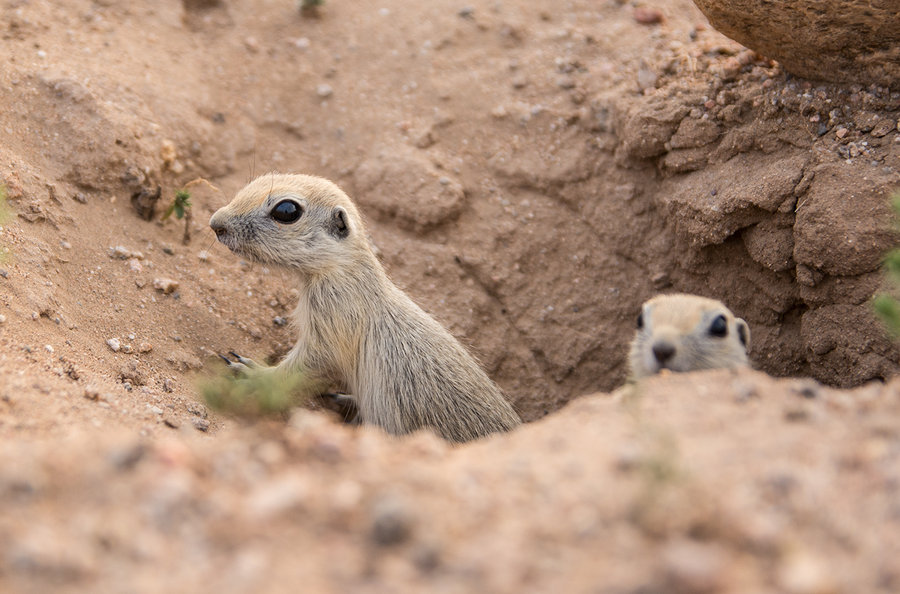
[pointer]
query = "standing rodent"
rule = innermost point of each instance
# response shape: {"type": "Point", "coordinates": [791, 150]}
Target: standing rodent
{"type": "Point", "coordinates": [686, 333]}
{"type": "Point", "coordinates": [357, 329]}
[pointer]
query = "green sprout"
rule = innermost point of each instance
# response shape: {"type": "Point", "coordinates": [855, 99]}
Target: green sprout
{"type": "Point", "coordinates": [886, 306]}
{"type": "Point", "coordinates": [4, 209]}
{"type": "Point", "coordinates": [255, 395]}
{"type": "Point", "coordinates": [5, 215]}
{"type": "Point", "coordinates": [181, 207]}
{"type": "Point", "coordinates": [310, 7]}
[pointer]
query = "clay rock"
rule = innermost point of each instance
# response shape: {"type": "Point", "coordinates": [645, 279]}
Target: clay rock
{"type": "Point", "coordinates": [405, 186]}
{"type": "Point", "coordinates": [771, 243]}
{"type": "Point", "coordinates": [847, 41]}
{"type": "Point", "coordinates": [847, 345]}
{"type": "Point", "coordinates": [843, 224]}
{"type": "Point", "coordinates": [649, 127]}
{"type": "Point", "coordinates": [710, 205]}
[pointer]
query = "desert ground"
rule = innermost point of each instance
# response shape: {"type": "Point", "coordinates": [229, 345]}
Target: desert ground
{"type": "Point", "coordinates": [530, 172]}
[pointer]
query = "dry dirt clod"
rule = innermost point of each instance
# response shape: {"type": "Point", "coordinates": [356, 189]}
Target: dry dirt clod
{"type": "Point", "coordinates": [132, 372]}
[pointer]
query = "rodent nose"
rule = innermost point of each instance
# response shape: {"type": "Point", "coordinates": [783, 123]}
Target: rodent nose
{"type": "Point", "coordinates": [217, 225]}
{"type": "Point", "coordinates": [663, 351]}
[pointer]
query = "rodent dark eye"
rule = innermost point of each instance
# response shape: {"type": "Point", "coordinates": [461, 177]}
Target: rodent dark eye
{"type": "Point", "coordinates": [719, 327]}
{"type": "Point", "coordinates": [287, 211]}
{"type": "Point", "coordinates": [640, 321]}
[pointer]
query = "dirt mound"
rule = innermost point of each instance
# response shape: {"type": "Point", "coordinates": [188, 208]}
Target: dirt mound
{"type": "Point", "coordinates": [716, 481]}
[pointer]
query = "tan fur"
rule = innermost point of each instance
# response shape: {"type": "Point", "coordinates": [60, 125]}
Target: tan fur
{"type": "Point", "coordinates": [356, 328]}
{"type": "Point", "coordinates": [676, 335]}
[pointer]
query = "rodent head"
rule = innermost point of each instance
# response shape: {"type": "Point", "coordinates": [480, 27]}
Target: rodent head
{"type": "Point", "coordinates": [686, 333]}
{"type": "Point", "coordinates": [299, 221]}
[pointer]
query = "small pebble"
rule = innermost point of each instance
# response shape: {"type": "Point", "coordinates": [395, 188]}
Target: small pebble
{"type": "Point", "coordinates": [882, 128]}
{"type": "Point", "coordinates": [802, 573]}
{"type": "Point", "coordinates": [691, 566]}
{"type": "Point", "coordinates": [200, 424]}
{"type": "Point", "coordinates": [122, 253]}
{"type": "Point", "coordinates": [647, 16]}
{"type": "Point", "coordinates": [114, 344]}
{"type": "Point", "coordinates": [279, 321]}
{"type": "Point", "coordinates": [2, 318]}
{"type": "Point", "coordinates": [166, 285]}
{"type": "Point", "coordinates": [324, 90]}
{"type": "Point", "coordinates": [391, 522]}
{"type": "Point", "coordinates": [48, 348]}
{"type": "Point", "coordinates": [841, 132]}
{"type": "Point", "coordinates": [251, 44]}
{"type": "Point", "coordinates": [145, 347]}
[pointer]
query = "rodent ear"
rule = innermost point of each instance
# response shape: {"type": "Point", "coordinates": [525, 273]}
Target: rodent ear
{"type": "Point", "coordinates": [743, 332]}
{"type": "Point", "coordinates": [339, 225]}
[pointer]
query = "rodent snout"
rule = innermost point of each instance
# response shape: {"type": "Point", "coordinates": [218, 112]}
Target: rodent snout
{"type": "Point", "coordinates": [216, 224]}
{"type": "Point", "coordinates": [663, 350]}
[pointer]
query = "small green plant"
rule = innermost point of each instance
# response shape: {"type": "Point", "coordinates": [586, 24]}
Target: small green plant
{"type": "Point", "coordinates": [310, 7]}
{"type": "Point", "coordinates": [886, 306]}
{"type": "Point", "coordinates": [255, 395]}
{"type": "Point", "coordinates": [181, 206]}
{"type": "Point", "coordinates": [5, 215]}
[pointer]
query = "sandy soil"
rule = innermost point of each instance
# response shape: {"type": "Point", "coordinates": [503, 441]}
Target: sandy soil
{"type": "Point", "coordinates": [530, 172]}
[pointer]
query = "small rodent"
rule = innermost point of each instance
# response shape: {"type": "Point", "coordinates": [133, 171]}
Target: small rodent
{"type": "Point", "coordinates": [686, 333]}
{"type": "Point", "coordinates": [356, 328]}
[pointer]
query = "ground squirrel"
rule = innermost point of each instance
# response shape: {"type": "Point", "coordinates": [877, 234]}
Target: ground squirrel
{"type": "Point", "coordinates": [356, 328]}
{"type": "Point", "coordinates": [685, 333]}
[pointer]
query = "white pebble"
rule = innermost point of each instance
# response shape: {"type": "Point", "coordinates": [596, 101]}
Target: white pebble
{"type": "Point", "coordinates": [324, 90]}
{"type": "Point", "coordinates": [114, 344]}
